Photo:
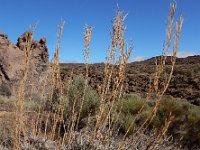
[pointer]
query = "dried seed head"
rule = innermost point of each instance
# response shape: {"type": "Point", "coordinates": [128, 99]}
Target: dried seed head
{"type": "Point", "coordinates": [87, 35]}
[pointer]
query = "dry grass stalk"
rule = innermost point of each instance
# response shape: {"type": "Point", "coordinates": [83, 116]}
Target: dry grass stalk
{"type": "Point", "coordinates": [45, 119]}
{"type": "Point", "coordinates": [56, 80]}
{"type": "Point", "coordinates": [160, 66]}
{"type": "Point", "coordinates": [158, 138]}
{"type": "Point", "coordinates": [87, 37]}
{"type": "Point", "coordinates": [111, 90]}
{"type": "Point", "coordinates": [21, 90]}
{"type": "Point", "coordinates": [57, 89]}
{"type": "Point", "coordinates": [159, 91]}
{"type": "Point", "coordinates": [112, 86]}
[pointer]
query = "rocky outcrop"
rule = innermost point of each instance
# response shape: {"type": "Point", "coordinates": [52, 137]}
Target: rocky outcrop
{"type": "Point", "coordinates": [12, 63]}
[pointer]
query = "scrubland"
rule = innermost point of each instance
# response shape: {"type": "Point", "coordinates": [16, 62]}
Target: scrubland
{"type": "Point", "coordinates": [76, 116]}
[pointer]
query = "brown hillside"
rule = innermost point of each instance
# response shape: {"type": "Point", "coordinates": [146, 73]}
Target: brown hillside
{"type": "Point", "coordinates": [185, 82]}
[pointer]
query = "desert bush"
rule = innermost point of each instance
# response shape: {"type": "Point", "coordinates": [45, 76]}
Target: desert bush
{"type": "Point", "coordinates": [126, 123]}
{"type": "Point", "coordinates": [76, 97]}
{"type": "Point", "coordinates": [169, 104]}
{"type": "Point", "coordinates": [125, 114]}
{"type": "Point", "coordinates": [132, 116]}
{"type": "Point", "coordinates": [6, 100]}
{"type": "Point", "coordinates": [32, 105]}
{"type": "Point", "coordinates": [131, 103]}
{"type": "Point", "coordinates": [194, 114]}
{"type": "Point", "coordinates": [186, 124]}
{"type": "Point", "coordinates": [7, 103]}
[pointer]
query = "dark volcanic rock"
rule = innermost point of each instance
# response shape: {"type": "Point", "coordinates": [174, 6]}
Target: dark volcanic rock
{"type": "Point", "coordinates": [185, 81]}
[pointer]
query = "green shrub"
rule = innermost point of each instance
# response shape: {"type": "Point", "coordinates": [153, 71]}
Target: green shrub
{"type": "Point", "coordinates": [32, 105]}
{"type": "Point", "coordinates": [194, 115]}
{"type": "Point", "coordinates": [175, 106]}
{"type": "Point", "coordinates": [131, 103]}
{"type": "Point", "coordinates": [126, 123]}
{"type": "Point", "coordinates": [127, 111]}
{"type": "Point", "coordinates": [5, 100]}
{"type": "Point", "coordinates": [80, 93]}
{"type": "Point", "coordinates": [186, 124]}
{"type": "Point", "coordinates": [7, 103]}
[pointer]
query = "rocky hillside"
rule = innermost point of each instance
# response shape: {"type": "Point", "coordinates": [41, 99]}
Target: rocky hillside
{"type": "Point", "coordinates": [185, 82]}
{"type": "Point", "coordinates": [12, 63]}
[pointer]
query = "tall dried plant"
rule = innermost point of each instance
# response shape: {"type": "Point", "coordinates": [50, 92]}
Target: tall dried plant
{"type": "Point", "coordinates": [19, 103]}
{"type": "Point", "coordinates": [57, 86]}
{"type": "Point", "coordinates": [114, 75]}
{"type": "Point", "coordinates": [157, 88]}
{"type": "Point", "coordinates": [87, 38]}
{"type": "Point", "coordinates": [111, 89]}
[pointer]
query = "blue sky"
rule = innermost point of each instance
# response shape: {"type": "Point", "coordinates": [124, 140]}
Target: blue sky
{"type": "Point", "coordinates": [146, 25]}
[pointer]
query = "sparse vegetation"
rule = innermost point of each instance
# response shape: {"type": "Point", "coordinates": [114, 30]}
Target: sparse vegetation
{"type": "Point", "coordinates": [186, 120]}
{"type": "Point", "coordinates": [76, 116]}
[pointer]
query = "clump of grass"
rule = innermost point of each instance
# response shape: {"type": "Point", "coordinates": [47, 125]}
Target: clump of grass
{"type": "Point", "coordinates": [194, 115]}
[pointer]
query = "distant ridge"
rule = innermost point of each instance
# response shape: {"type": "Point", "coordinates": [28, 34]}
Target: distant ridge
{"type": "Point", "coordinates": [185, 83]}
{"type": "Point", "coordinates": [151, 61]}
{"type": "Point", "coordinates": [179, 61]}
